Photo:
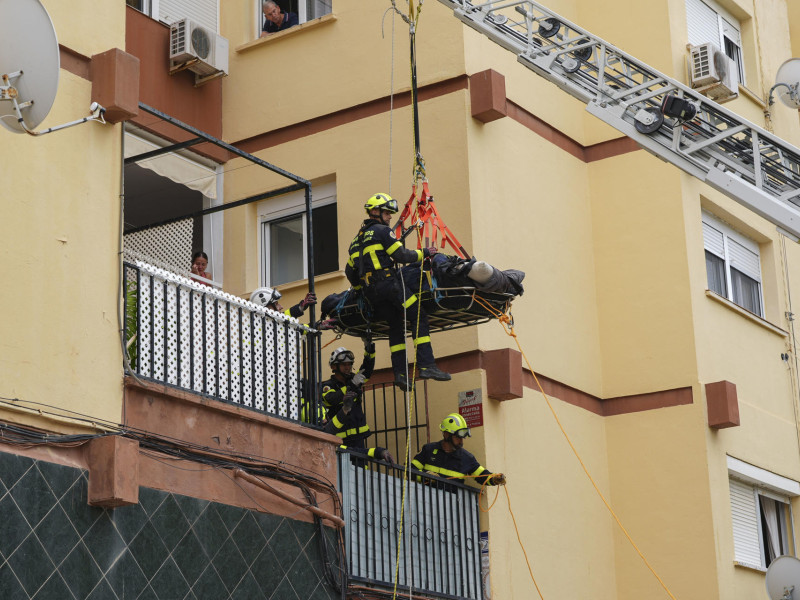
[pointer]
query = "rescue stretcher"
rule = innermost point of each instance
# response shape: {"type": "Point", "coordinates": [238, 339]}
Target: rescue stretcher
{"type": "Point", "coordinates": [447, 308]}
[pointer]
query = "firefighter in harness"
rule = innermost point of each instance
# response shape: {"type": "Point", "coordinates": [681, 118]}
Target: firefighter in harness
{"type": "Point", "coordinates": [374, 254]}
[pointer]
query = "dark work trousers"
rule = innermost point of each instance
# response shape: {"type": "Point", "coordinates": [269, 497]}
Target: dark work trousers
{"type": "Point", "coordinates": [387, 299]}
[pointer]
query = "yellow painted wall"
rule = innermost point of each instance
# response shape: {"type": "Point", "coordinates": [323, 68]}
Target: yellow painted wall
{"type": "Point", "coordinates": [59, 339]}
{"type": "Point", "coordinates": [641, 270]}
{"type": "Point", "coordinates": [298, 77]}
{"type": "Point", "coordinates": [564, 526]}
{"type": "Point", "coordinates": [660, 492]}
{"type": "Point", "coordinates": [533, 213]}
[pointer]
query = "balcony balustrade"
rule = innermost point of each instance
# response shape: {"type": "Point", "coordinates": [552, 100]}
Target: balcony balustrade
{"type": "Point", "coordinates": [194, 337]}
{"type": "Point", "coordinates": [439, 550]}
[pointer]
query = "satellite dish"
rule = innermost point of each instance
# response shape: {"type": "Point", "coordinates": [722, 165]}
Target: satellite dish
{"type": "Point", "coordinates": [783, 578]}
{"type": "Point", "coordinates": [29, 63]}
{"type": "Point", "coordinates": [787, 84]}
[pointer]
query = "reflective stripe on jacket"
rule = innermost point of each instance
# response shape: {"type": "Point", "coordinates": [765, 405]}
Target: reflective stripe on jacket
{"type": "Point", "coordinates": [456, 464]}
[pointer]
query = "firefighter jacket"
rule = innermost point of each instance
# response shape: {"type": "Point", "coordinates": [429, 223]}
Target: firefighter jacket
{"type": "Point", "coordinates": [373, 253]}
{"type": "Point", "coordinates": [352, 428]}
{"type": "Point", "coordinates": [295, 311]}
{"type": "Point", "coordinates": [450, 465]}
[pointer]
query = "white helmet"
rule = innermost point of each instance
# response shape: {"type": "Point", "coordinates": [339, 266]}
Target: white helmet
{"type": "Point", "coordinates": [264, 296]}
{"type": "Point", "coordinates": [341, 355]}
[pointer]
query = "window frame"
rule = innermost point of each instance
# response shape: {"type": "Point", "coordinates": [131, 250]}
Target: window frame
{"type": "Point", "coordinates": [302, 14]}
{"type": "Point", "coordinates": [761, 483]}
{"type": "Point", "coordinates": [729, 238]}
{"type": "Point", "coordinates": [152, 8]}
{"type": "Point", "coordinates": [727, 25]}
{"type": "Point", "coordinates": [149, 8]}
{"type": "Point", "coordinates": [284, 208]}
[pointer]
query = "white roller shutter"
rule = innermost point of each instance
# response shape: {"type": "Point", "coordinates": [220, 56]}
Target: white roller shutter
{"type": "Point", "coordinates": [731, 31]}
{"type": "Point", "coordinates": [202, 12]}
{"type": "Point", "coordinates": [702, 23]}
{"type": "Point", "coordinates": [745, 517]}
{"type": "Point", "coordinates": [744, 260]}
{"type": "Point", "coordinates": [713, 239]}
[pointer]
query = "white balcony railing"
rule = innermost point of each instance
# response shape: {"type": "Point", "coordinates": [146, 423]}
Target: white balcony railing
{"type": "Point", "coordinates": [195, 337]}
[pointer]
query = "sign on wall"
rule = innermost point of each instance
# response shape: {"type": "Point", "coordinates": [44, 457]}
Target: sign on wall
{"type": "Point", "coordinates": [470, 406]}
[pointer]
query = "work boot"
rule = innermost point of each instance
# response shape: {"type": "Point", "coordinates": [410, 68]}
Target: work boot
{"type": "Point", "coordinates": [433, 372]}
{"type": "Point", "coordinates": [401, 381]}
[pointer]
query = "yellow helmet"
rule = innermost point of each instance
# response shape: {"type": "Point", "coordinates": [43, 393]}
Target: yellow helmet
{"type": "Point", "coordinates": [456, 424]}
{"type": "Point", "coordinates": [382, 201]}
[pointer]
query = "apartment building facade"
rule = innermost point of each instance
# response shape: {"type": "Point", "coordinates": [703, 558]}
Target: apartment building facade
{"type": "Point", "coordinates": [655, 332]}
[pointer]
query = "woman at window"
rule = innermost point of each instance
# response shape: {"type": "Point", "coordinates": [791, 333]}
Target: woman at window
{"type": "Point", "coordinates": [199, 265]}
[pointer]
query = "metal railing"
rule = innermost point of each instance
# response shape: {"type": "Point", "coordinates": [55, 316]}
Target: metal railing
{"type": "Point", "coordinates": [194, 337]}
{"type": "Point", "coordinates": [388, 418]}
{"type": "Point", "coordinates": [439, 550]}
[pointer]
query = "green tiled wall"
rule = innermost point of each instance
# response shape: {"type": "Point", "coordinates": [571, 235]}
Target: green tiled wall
{"type": "Point", "coordinates": [53, 545]}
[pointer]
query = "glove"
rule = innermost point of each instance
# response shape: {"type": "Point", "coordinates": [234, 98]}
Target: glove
{"type": "Point", "coordinates": [326, 324]}
{"type": "Point", "coordinates": [358, 379]}
{"type": "Point", "coordinates": [308, 300]}
{"type": "Point", "coordinates": [387, 457]}
{"type": "Point", "coordinates": [430, 251]}
{"type": "Point", "coordinates": [369, 347]}
{"type": "Point", "coordinates": [498, 479]}
{"type": "Point", "coordinates": [347, 403]}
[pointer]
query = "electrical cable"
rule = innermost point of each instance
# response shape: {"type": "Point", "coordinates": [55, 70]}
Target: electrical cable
{"type": "Point", "coordinates": [150, 445]}
{"type": "Point", "coordinates": [790, 317]}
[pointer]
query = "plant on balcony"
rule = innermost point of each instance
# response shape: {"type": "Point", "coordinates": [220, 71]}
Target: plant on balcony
{"type": "Point", "coordinates": [131, 306]}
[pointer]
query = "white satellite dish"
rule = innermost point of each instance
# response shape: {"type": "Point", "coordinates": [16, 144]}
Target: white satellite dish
{"type": "Point", "coordinates": [29, 63]}
{"type": "Point", "coordinates": [783, 578]}
{"type": "Point", "coordinates": [787, 84]}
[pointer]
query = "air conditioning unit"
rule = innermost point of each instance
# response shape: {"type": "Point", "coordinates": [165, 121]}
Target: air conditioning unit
{"type": "Point", "coordinates": [197, 48]}
{"type": "Point", "coordinates": [713, 73]}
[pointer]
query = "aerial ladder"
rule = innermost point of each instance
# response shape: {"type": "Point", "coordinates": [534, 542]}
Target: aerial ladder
{"type": "Point", "coordinates": [672, 121]}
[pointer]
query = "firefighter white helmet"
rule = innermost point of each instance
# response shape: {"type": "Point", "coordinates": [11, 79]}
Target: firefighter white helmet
{"type": "Point", "coordinates": [341, 355]}
{"type": "Point", "coordinates": [264, 296]}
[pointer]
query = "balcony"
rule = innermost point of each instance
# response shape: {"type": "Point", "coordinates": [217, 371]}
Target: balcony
{"type": "Point", "coordinates": [199, 339]}
{"type": "Point", "coordinates": [439, 539]}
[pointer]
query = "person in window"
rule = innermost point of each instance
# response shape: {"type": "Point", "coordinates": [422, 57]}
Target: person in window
{"type": "Point", "coordinates": [199, 265]}
{"type": "Point", "coordinates": [449, 459]}
{"type": "Point", "coordinates": [268, 297]}
{"type": "Point", "coordinates": [371, 268]}
{"type": "Point", "coordinates": [342, 398]}
{"type": "Point", "coordinates": [275, 19]}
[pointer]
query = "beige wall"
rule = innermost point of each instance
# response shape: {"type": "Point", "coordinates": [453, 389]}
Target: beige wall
{"type": "Point", "coordinates": [59, 341]}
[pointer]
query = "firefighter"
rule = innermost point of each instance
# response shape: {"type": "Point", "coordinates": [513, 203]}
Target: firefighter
{"type": "Point", "coordinates": [449, 459]}
{"type": "Point", "coordinates": [268, 297]}
{"type": "Point", "coordinates": [374, 252]}
{"type": "Point", "coordinates": [342, 398]}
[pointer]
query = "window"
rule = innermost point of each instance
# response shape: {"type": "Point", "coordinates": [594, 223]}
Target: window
{"type": "Point", "coordinates": [707, 22]}
{"type": "Point", "coordinates": [732, 265]}
{"type": "Point", "coordinates": [283, 236]}
{"type": "Point", "coordinates": [202, 12]}
{"type": "Point", "coordinates": [761, 514]}
{"type": "Point", "coordinates": [306, 10]}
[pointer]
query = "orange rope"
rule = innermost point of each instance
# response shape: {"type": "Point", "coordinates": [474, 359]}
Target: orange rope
{"type": "Point", "coordinates": [504, 321]}
{"type": "Point", "coordinates": [513, 520]}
